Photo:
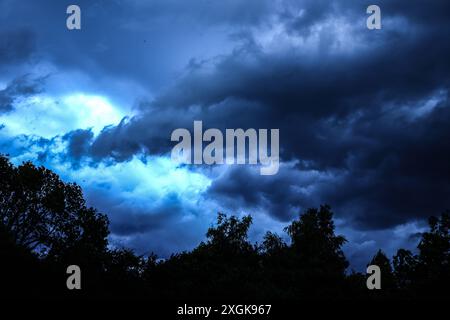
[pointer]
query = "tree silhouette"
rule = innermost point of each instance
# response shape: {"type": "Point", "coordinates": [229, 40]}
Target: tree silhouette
{"type": "Point", "coordinates": [314, 241]}
{"type": "Point", "coordinates": [435, 246]}
{"type": "Point", "coordinates": [428, 272]}
{"type": "Point", "coordinates": [229, 235]}
{"type": "Point", "coordinates": [273, 245]}
{"type": "Point", "coordinates": [387, 275]}
{"type": "Point", "coordinates": [45, 226]}
{"type": "Point", "coordinates": [44, 214]}
{"type": "Point", "coordinates": [49, 218]}
{"type": "Point", "coordinates": [405, 268]}
{"type": "Point", "coordinates": [316, 253]}
{"type": "Point", "coordinates": [216, 267]}
{"type": "Point", "coordinates": [433, 268]}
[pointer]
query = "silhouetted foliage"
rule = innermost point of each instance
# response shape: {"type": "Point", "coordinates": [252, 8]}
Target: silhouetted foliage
{"type": "Point", "coordinates": [381, 260]}
{"type": "Point", "coordinates": [315, 244]}
{"type": "Point", "coordinates": [273, 245]}
{"type": "Point", "coordinates": [428, 272]}
{"type": "Point", "coordinates": [405, 268]}
{"type": "Point", "coordinates": [434, 248]}
{"type": "Point", "coordinates": [46, 215]}
{"type": "Point", "coordinates": [45, 226]}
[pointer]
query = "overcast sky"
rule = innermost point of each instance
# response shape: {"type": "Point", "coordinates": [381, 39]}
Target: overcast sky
{"type": "Point", "coordinates": [363, 114]}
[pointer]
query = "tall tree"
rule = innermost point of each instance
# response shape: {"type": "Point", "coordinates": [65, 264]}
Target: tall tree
{"type": "Point", "coordinates": [315, 243]}
{"type": "Point", "coordinates": [405, 266]}
{"type": "Point", "coordinates": [434, 255]}
{"type": "Point", "coordinates": [387, 275]}
{"type": "Point", "coordinates": [46, 215]}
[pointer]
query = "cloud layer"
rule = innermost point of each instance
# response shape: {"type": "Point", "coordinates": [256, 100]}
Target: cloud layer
{"type": "Point", "coordinates": [363, 115]}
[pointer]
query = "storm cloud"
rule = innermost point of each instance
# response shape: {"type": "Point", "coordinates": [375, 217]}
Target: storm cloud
{"type": "Point", "coordinates": [369, 110]}
{"type": "Point", "coordinates": [19, 88]}
{"type": "Point", "coordinates": [363, 114]}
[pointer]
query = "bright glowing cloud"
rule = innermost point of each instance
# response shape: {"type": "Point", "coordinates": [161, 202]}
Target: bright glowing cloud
{"type": "Point", "coordinates": [47, 116]}
{"type": "Point", "coordinates": [141, 179]}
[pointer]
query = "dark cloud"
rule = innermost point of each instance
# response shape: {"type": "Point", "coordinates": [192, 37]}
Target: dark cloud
{"type": "Point", "coordinates": [232, 12]}
{"type": "Point", "coordinates": [21, 87]}
{"type": "Point", "coordinates": [291, 93]}
{"type": "Point", "coordinates": [16, 46]}
{"type": "Point", "coordinates": [356, 116]}
{"type": "Point", "coordinates": [126, 221]}
{"type": "Point", "coordinates": [78, 143]}
{"type": "Point", "coordinates": [401, 174]}
{"type": "Point", "coordinates": [284, 196]}
{"type": "Point", "coordinates": [363, 115]}
{"type": "Point", "coordinates": [163, 229]}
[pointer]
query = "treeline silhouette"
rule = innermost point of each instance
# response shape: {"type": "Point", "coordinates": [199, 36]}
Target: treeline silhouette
{"type": "Point", "coordinates": [46, 226]}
